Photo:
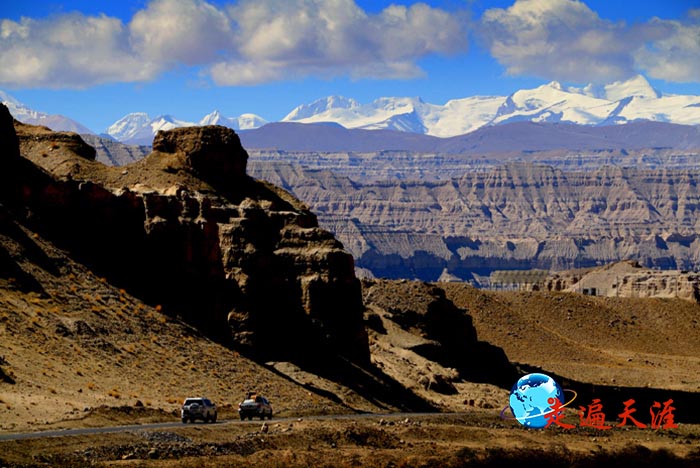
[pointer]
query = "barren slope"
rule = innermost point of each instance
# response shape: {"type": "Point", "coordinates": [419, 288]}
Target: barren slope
{"type": "Point", "coordinates": [608, 341]}
{"type": "Point", "coordinates": [70, 342]}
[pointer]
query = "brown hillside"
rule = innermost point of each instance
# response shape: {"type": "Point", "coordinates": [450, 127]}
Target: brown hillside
{"type": "Point", "coordinates": [608, 341]}
{"type": "Point", "coordinates": [72, 346]}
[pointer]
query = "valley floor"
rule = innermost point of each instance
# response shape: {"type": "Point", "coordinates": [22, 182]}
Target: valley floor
{"type": "Point", "coordinates": [477, 438]}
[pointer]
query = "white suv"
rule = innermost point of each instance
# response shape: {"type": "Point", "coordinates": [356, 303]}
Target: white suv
{"type": "Point", "coordinates": [255, 406]}
{"type": "Point", "coordinates": [198, 408]}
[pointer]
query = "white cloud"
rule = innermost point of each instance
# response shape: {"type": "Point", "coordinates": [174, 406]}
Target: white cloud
{"type": "Point", "coordinates": [676, 57]}
{"type": "Point", "coordinates": [251, 42]}
{"type": "Point", "coordinates": [190, 32]}
{"type": "Point", "coordinates": [293, 38]}
{"type": "Point", "coordinates": [566, 40]}
{"type": "Point", "coordinates": [68, 51]}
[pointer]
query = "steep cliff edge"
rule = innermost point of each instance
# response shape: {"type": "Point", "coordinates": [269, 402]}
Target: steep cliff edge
{"type": "Point", "coordinates": [187, 229]}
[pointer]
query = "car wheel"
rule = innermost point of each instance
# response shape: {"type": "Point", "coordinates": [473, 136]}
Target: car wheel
{"type": "Point", "coordinates": [242, 418]}
{"type": "Point", "coordinates": [184, 420]}
{"type": "Point", "coordinates": [269, 416]}
{"type": "Point", "coordinates": [213, 418]}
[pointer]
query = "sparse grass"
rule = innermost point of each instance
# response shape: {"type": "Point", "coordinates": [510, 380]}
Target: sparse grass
{"type": "Point", "coordinates": [91, 385]}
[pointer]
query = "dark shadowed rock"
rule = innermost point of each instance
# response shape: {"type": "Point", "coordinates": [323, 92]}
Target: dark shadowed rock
{"type": "Point", "coordinates": [213, 153]}
{"type": "Point", "coordinates": [8, 138]}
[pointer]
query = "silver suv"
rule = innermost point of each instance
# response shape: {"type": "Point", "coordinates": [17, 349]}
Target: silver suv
{"type": "Point", "coordinates": [198, 408]}
{"type": "Point", "coordinates": [255, 406]}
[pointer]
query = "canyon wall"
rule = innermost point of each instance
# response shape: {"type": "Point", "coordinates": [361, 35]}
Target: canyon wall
{"type": "Point", "coordinates": [514, 216]}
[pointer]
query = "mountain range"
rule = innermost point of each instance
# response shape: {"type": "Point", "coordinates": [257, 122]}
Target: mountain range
{"type": "Point", "coordinates": [55, 122]}
{"type": "Point", "coordinates": [617, 103]}
{"type": "Point", "coordinates": [139, 128]}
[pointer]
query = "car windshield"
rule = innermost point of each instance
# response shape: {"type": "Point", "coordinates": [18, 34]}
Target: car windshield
{"type": "Point", "coordinates": [192, 400]}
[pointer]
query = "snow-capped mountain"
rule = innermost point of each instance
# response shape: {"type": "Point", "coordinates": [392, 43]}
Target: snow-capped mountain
{"type": "Point", "coordinates": [125, 128]}
{"type": "Point", "coordinates": [139, 128]}
{"type": "Point", "coordinates": [55, 122]}
{"type": "Point", "coordinates": [552, 103]}
{"type": "Point", "coordinates": [242, 122]}
{"type": "Point", "coordinates": [616, 103]}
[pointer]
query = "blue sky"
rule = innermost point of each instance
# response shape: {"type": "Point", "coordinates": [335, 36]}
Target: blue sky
{"type": "Point", "coordinates": [95, 61]}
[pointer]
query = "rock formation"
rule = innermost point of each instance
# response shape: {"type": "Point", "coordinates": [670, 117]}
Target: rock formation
{"type": "Point", "coordinates": [627, 279]}
{"type": "Point", "coordinates": [515, 216]}
{"type": "Point", "coordinates": [186, 229]}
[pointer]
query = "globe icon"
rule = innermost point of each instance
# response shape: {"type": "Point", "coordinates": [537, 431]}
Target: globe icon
{"type": "Point", "coordinates": [531, 398]}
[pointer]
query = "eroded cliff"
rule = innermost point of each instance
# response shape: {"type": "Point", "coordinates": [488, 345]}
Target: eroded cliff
{"type": "Point", "coordinates": [186, 229]}
{"type": "Point", "coordinates": [516, 216]}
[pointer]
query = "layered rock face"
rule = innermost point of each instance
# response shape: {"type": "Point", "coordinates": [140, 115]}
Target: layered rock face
{"type": "Point", "coordinates": [187, 229]}
{"type": "Point", "coordinates": [627, 279]}
{"type": "Point", "coordinates": [517, 216]}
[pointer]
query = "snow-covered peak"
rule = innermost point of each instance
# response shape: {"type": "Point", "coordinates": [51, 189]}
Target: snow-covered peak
{"type": "Point", "coordinates": [168, 122]}
{"type": "Point", "coordinates": [126, 127]}
{"type": "Point", "coordinates": [250, 121]}
{"type": "Point", "coordinates": [634, 87]}
{"type": "Point", "coordinates": [213, 118]}
{"type": "Point", "coordinates": [55, 122]}
{"type": "Point", "coordinates": [242, 122]}
{"type": "Point", "coordinates": [9, 100]}
{"type": "Point", "coordinates": [20, 111]}
{"type": "Point", "coordinates": [319, 106]}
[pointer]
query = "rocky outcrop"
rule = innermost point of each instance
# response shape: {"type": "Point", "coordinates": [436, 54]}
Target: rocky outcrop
{"type": "Point", "coordinates": [627, 279]}
{"type": "Point", "coordinates": [8, 137]}
{"type": "Point", "coordinates": [186, 229]}
{"type": "Point", "coordinates": [213, 153]}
